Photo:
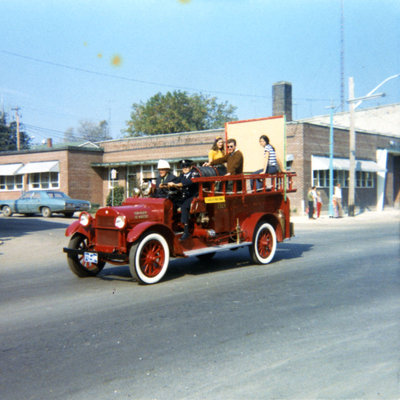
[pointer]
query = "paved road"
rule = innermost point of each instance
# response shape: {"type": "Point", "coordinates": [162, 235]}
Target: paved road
{"type": "Point", "coordinates": [322, 321]}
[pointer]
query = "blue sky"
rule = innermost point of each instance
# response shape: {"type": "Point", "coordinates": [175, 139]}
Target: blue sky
{"type": "Point", "coordinates": [62, 62]}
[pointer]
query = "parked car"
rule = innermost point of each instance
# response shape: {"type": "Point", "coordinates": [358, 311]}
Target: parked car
{"type": "Point", "coordinates": [45, 202]}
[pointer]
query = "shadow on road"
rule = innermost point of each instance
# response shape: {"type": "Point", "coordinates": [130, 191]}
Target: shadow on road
{"type": "Point", "coordinates": [226, 260]}
{"type": "Point", "coordinates": [19, 226]}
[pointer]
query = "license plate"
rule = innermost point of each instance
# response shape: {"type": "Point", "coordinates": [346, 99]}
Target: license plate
{"type": "Point", "coordinates": [90, 257]}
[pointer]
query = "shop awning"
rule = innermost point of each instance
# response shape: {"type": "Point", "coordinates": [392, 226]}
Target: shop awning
{"type": "Point", "coordinates": [36, 167]}
{"type": "Point", "coordinates": [322, 163]}
{"type": "Point", "coordinates": [10, 169]}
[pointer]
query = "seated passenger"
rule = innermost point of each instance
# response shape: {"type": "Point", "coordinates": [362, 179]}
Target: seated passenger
{"type": "Point", "coordinates": [189, 191]}
{"type": "Point", "coordinates": [164, 176]}
{"type": "Point", "coordinates": [217, 150]}
{"type": "Point", "coordinates": [270, 162]}
{"type": "Point", "coordinates": [234, 161]}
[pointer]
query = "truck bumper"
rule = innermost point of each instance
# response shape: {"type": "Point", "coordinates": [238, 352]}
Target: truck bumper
{"type": "Point", "coordinates": [102, 255]}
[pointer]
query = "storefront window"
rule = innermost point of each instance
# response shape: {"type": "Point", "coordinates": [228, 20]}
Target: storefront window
{"type": "Point", "coordinates": [44, 180]}
{"type": "Point", "coordinates": [12, 182]}
{"type": "Point", "coordinates": [363, 179]}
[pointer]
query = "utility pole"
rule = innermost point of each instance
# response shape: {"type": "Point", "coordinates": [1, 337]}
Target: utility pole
{"type": "Point", "coordinates": [331, 146]}
{"type": "Point", "coordinates": [352, 149]}
{"type": "Point", "coordinates": [18, 132]}
{"type": "Point", "coordinates": [342, 101]}
{"type": "Point", "coordinates": [353, 104]}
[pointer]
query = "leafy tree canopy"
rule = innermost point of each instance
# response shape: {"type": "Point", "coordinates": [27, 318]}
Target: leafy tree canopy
{"type": "Point", "coordinates": [88, 131]}
{"type": "Point", "coordinates": [8, 135]}
{"type": "Point", "coordinates": [178, 112]}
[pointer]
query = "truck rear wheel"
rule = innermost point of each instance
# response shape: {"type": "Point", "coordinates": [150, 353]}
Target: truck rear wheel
{"type": "Point", "coordinates": [263, 248]}
{"type": "Point", "coordinates": [149, 258]}
{"type": "Point", "coordinates": [77, 263]}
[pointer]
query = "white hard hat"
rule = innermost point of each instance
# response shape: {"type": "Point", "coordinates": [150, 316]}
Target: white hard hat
{"type": "Point", "coordinates": [162, 164]}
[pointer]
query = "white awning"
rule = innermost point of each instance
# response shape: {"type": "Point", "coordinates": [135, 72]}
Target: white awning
{"type": "Point", "coordinates": [10, 169]}
{"type": "Point", "coordinates": [322, 163]}
{"type": "Point", "coordinates": [35, 167]}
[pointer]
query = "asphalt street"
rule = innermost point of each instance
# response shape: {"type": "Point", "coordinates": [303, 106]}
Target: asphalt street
{"type": "Point", "coordinates": [320, 322]}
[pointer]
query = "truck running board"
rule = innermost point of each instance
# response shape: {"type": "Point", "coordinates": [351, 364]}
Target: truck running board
{"type": "Point", "coordinates": [215, 249]}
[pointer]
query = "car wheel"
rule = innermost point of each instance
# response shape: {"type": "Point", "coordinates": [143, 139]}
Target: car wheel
{"type": "Point", "coordinates": [149, 258]}
{"type": "Point", "coordinates": [46, 212]}
{"type": "Point", "coordinates": [77, 263]}
{"type": "Point", "coordinates": [263, 248]}
{"type": "Point", "coordinates": [7, 212]}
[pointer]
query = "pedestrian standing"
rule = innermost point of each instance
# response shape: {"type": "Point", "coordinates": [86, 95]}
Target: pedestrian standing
{"type": "Point", "coordinates": [310, 199]}
{"type": "Point", "coordinates": [319, 204]}
{"type": "Point", "coordinates": [338, 198]}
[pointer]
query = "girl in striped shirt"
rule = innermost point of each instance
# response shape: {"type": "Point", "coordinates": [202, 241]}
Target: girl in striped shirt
{"type": "Point", "coordinates": [270, 163]}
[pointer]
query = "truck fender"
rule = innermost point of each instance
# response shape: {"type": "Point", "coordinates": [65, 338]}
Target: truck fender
{"type": "Point", "coordinates": [76, 227]}
{"type": "Point", "coordinates": [138, 230]}
{"type": "Point", "coordinates": [249, 225]}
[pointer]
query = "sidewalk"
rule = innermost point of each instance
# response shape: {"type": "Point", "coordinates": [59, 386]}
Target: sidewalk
{"type": "Point", "coordinates": [389, 214]}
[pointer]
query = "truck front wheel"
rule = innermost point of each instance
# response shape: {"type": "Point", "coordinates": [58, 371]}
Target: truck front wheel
{"type": "Point", "coordinates": [76, 262]}
{"type": "Point", "coordinates": [149, 258]}
{"type": "Point", "coordinates": [263, 248]}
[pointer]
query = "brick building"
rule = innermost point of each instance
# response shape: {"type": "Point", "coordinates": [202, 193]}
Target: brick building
{"type": "Point", "coordinates": [66, 168]}
{"type": "Point", "coordinates": [85, 172]}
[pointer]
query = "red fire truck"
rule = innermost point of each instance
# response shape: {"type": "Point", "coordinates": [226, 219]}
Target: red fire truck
{"type": "Point", "coordinates": [229, 212]}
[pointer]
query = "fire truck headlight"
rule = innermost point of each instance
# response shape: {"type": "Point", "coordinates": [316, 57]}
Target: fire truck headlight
{"type": "Point", "coordinates": [84, 219]}
{"type": "Point", "coordinates": [120, 221]}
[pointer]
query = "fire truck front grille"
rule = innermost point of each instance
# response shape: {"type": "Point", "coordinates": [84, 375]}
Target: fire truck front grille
{"type": "Point", "coordinates": [104, 221]}
{"type": "Point", "coordinates": [107, 237]}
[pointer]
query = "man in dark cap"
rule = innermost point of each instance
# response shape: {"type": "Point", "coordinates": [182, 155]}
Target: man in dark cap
{"type": "Point", "coordinates": [189, 191]}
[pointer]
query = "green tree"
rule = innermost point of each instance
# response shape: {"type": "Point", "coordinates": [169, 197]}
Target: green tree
{"type": "Point", "coordinates": [178, 112]}
{"type": "Point", "coordinates": [88, 131]}
{"type": "Point", "coordinates": [8, 135]}
{"type": "Point", "coordinates": [117, 197]}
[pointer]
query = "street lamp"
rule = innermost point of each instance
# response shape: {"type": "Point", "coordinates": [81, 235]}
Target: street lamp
{"type": "Point", "coordinates": [113, 174]}
{"type": "Point", "coordinates": [353, 104]}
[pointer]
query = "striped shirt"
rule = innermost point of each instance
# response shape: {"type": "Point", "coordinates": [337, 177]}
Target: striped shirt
{"type": "Point", "coordinates": [272, 155]}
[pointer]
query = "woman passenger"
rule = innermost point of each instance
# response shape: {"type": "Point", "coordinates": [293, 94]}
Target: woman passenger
{"type": "Point", "coordinates": [217, 150]}
{"type": "Point", "coordinates": [270, 162]}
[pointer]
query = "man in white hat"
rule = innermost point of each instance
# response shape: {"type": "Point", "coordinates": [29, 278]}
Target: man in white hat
{"type": "Point", "coordinates": [164, 176]}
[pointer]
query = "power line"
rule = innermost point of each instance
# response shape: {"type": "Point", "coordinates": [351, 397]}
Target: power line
{"type": "Point", "coordinates": [129, 79]}
{"type": "Point", "coordinates": [124, 78]}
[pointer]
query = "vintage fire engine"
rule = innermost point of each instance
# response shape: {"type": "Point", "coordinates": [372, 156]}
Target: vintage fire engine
{"type": "Point", "coordinates": [229, 212]}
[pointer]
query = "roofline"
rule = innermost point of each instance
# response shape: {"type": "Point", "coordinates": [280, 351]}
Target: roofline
{"type": "Point", "coordinates": [145, 162]}
{"type": "Point", "coordinates": [163, 135]}
{"type": "Point", "coordinates": [348, 112]}
{"type": "Point", "coordinates": [343, 128]}
{"type": "Point", "coordinates": [52, 149]}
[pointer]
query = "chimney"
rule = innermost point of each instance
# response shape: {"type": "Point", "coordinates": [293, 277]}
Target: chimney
{"type": "Point", "coordinates": [49, 142]}
{"type": "Point", "coordinates": [282, 99]}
